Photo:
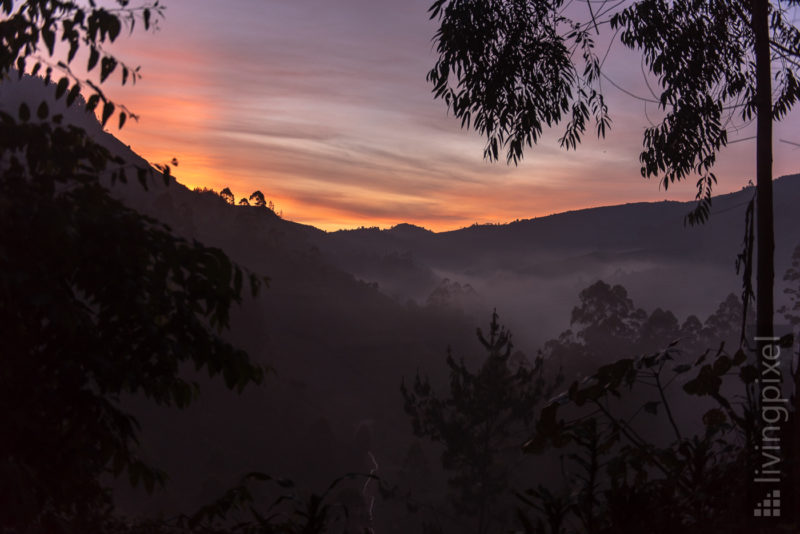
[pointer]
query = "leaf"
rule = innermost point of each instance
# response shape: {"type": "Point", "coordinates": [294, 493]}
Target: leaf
{"type": "Point", "coordinates": [107, 66]}
{"type": "Point", "coordinates": [722, 365]}
{"type": "Point", "coordinates": [680, 369]}
{"type": "Point", "coordinates": [24, 112]}
{"type": "Point", "coordinates": [787, 341]}
{"type": "Point", "coordinates": [707, 382]}
{"type": "Point", "coordinates": [748, 374]}
{"type": "Point", "coordinates": [94, 57]}
{"type": "Point", "coordinates": [108, 110]}
{"type": "Point", "coordinates": [714, 417]}
{"type": "Point", "coordinates": [73, 94]}
{"type": "Point", "coordinates": [122, 118]}
{"type": "Point", "coordinates": [49, 39]}
{"type": "Point", "coordinates": [62, 86]}
{"type": "Point", "coordinates": [43, 111]}
{"type": "Point", "coordinates": [114, 27]}
{"type": "Point", "coordinates": [73, 49]}
{"type": "Point", "coordinates": [146, 16]}
{"type": "Point", "coordinates": [91, 104]}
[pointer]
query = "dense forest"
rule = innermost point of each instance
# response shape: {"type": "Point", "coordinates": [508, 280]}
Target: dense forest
{"type": "Point", "coordinates": [188, 360]}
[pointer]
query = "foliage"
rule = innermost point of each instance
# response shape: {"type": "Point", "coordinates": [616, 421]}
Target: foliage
{"type": "Point", "coordinates": [227, 196]}
{"type": "Point", "coordinates": [480, 421]}
{"type": "Point", "coordinates": [606, 324]}
{"type": "Point", "coordinates": [244, 509]}
{"type": "Point", "coordinates": [33, 27]}
{"type": "Point", "coordinates": [623, 471]}
{"type": "Point", "coordinates": [703, 56]}
{"type": "Point", "coordinates": [507, 68]}
{"type": "Point", "coordinates": [792, 310]}
{"type": "Point", "coordinates": [635, 454]}
{"type": "Point", "coordinates": [629, 481]}
{"type": "Point", "coordinates": [96, 300]}
{"type": "Point", "coordinates": [292, 512]}
{"type": "Point", "coordinates": [257, 198]}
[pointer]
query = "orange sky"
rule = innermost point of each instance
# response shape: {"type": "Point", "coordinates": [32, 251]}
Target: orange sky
{"type": "Point", "coordinates": [324, 107]}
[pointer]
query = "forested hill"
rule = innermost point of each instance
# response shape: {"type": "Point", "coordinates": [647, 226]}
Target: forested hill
{"type": "Point", "coordinates": [645, 229]}
{"type": "Point", "coordinates": [347, 315]}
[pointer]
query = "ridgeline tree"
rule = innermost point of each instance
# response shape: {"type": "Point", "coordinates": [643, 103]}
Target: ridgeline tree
{"type": "Point", "coordinates": [508, 68]}
{"type": "Point", "coordinates": [96, 300]}
{"type": "Point", "coordinates": [257, 198]}
{"type": "Point", "coordinates": [227, 196]}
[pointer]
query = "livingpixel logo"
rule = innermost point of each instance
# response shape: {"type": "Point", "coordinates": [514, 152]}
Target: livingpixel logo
{"type": "Point", "coordinates": [770, 506]}
{"type": "Point", "coordinates": [774, 413]}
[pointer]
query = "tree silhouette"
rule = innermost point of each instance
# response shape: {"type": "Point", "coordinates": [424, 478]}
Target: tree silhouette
{"type": "Point", "coordinates": [33, 27]}
{"type": "Point", "coordinates": [479, 422]}
{"type": "Point", "coordinates": [96, 300]}
{"type": "Point", "coordinates": [792, 311]}
{"type": "Point", "coordinates": [227, 196]}
{"type": "Point", "coordinates": [257, 198]}
{"type": "Point", "coordinates": [243, 202]}
{"type": "Point", "coordinates": [620, 478]}
{"type": "Point", "coordinates": [606, 324]}
{"type": "Point", "coordinates": [508, 68]}
{"type": "Point", "coordinates": [625, 474]}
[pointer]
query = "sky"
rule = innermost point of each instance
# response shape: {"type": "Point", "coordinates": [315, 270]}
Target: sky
{"type": "Point", "coordinates": [324, 107]}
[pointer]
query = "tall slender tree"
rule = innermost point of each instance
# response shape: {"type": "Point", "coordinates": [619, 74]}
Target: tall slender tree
{"type": "Point", "coordinates": [507, 68]}
{"type": "Point", "coordinates": [479, 421]}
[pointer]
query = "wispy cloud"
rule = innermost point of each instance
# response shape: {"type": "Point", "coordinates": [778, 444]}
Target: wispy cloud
{"type": "Point", "coordinates": [325, 105]}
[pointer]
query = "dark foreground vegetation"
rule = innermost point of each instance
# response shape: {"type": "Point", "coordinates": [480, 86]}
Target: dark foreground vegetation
{"type": "Point", "coordinates": [628, 422]}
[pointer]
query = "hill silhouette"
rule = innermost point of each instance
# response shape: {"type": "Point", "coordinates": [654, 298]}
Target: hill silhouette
{"type": "Point", "coordinates": [348, 313]}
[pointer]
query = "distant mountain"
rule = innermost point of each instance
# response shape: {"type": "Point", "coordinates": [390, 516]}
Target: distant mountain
{"type": "Point", "coordinates": [527, 265]}
{"type": "Point", "coordinates": [651, 230]}
{"type": "Point", "coordinates": [348, 314]}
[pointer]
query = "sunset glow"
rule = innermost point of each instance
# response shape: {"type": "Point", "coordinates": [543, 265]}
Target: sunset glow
{"type": "Point", "coordinates": [324, 107]}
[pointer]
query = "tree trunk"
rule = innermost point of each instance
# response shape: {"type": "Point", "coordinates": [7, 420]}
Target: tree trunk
{"type": "Point", "coordinates": [764, 225]}
{"type": "Point", "coordinates": [765, 235]}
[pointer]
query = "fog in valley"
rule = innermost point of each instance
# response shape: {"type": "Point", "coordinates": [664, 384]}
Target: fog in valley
{"type": "Point", "coordinates": [587, 371]}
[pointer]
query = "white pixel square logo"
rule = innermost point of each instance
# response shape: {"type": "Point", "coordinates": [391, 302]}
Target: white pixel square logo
{"type": "Point", "coordinates": [770, 506]}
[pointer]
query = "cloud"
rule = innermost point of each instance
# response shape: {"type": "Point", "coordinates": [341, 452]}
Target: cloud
{"type": "Point", "coordinates": [325, 104]}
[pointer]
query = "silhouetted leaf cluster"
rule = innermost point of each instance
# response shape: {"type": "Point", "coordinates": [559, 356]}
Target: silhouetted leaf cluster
{"type": "Point", "coordinates": [32, 28]}
{"type": "Point", "coordinates": [508, 68]}
{"type": "Point", "coordinates": [96, 301]}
